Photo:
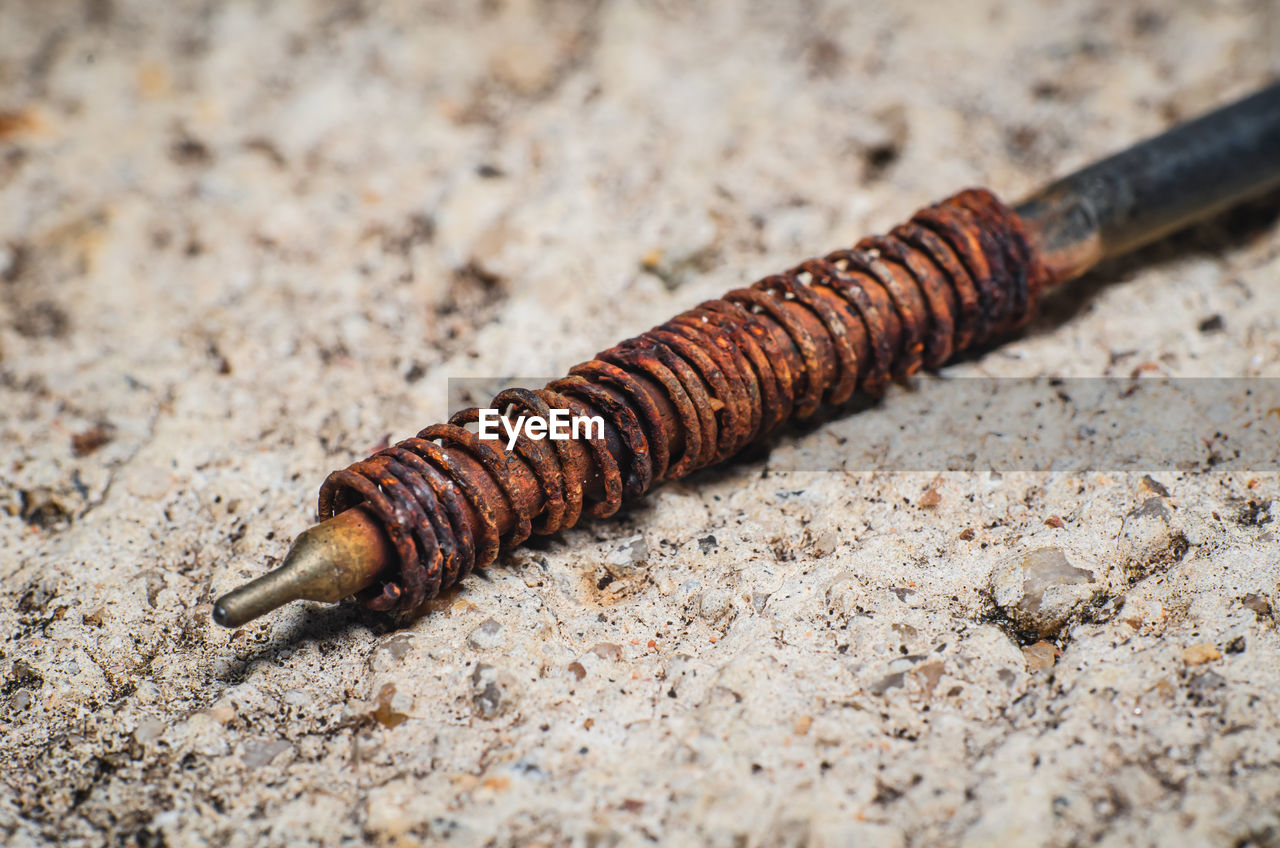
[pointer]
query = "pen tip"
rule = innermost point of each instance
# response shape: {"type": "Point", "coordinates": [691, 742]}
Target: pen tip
{"type": "Point", "coordinates": [331, 561]}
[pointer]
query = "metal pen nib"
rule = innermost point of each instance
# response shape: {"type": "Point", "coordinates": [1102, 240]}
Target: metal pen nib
{"type": "Point", "coordinates": [330, 561]}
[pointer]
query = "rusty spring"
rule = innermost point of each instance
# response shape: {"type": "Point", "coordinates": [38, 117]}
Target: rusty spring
{"type": "Point", "coordinates": [696, 390]}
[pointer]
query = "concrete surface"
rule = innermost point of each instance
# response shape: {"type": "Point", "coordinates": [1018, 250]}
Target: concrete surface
{"type": "Point", "coordinates": [243, 243]}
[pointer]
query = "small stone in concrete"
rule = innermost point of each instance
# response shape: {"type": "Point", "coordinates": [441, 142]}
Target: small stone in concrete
{"type": "Point", "coordinates": [1040, 590]}
{"type": "Point", "coordinates": [824, 544]}
{"type": "Point", "coordinates": [260, 752]}
{"type": "Point", "coordinates": [607, 651]}
{"type": "Point", "coordinates": [1200, 654]}
{"type": "Point", "coordinates": [1258, 604]}
{"type": "Point", "coordinates": [487, 636]}
{"type": "Point", "coordinates": [493, 691]}
{"type": "Point", "coordinates": [1040, 656]}
{"type": "Point", "coordinates": [148, 730]}
{"type": "Point", "coordinates": [632, 551]}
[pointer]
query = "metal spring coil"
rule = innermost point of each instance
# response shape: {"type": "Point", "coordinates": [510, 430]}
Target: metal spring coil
{"type": "Point", "coordinates": [731, 370]}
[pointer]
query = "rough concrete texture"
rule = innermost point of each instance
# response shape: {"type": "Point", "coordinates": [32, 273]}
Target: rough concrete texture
{"type": "Point", "coordinates": [243, 243]}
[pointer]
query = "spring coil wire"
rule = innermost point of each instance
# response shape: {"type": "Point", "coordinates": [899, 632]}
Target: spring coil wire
{"type": "Point", "coordinates": [733, 370]}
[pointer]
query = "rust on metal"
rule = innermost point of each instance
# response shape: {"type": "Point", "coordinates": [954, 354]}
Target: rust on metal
{"type": "Point", "coordinates": [694, 391]}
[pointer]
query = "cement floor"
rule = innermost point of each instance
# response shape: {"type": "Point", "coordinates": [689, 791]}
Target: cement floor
{"type": "Point", "coordinates": [241, 244]}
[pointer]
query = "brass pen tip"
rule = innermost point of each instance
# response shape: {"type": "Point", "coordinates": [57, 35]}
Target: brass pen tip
{"type": "Point", "coordinates": [329, 562]}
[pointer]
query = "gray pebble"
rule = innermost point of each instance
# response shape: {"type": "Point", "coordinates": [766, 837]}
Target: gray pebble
{"type": "Point", "coordinates": [487, 636]}
{"type": "Point", "coordinates": [1040, 590]}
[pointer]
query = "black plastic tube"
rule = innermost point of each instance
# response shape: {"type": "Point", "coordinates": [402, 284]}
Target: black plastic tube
{"type": "Point", "coordinates": [1157, 186]}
